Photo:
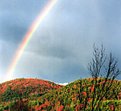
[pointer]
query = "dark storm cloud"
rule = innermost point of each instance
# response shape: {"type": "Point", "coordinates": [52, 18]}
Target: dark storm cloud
{"type": "Point", "coordinates": [62, 46]}
{"type": "Point", "coordinates": [16, 17]}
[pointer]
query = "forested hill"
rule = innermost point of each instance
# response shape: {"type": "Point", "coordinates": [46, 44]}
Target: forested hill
{"type": "Point", "coordinates": [25, 88]}
{"type": "Point", "coordinates": [40, 95]}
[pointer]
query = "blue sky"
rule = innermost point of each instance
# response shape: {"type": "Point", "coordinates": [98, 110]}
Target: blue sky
{"type": "Point", "coordinates": [61, 47]}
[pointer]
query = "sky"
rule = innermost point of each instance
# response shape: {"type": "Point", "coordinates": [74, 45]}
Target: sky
{"type": "Point", "coordinates": [61, 47]}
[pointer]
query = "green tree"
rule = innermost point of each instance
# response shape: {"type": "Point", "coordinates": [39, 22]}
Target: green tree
{"type": "Point", "coordinates": [9, 94]}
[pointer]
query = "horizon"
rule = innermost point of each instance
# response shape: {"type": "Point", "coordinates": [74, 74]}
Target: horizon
{"type": "Point", "coordinates": [64, 84]}
{"type": "Point", "coordinates": [62, 45]}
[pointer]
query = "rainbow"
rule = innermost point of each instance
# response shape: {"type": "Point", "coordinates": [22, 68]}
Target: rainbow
{"type": "Point", "coordinates": [28, 37]}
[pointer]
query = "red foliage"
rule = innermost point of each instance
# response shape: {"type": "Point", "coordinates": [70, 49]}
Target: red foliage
{"type": "Point", "coordinates": [84, 93]}
{"type": "Point", "coordinates": [92, 89]}
{"type": "Point", "coordinates": [47, 103]}
{"type": "Point", "coordinates": [60, 108]}
{"type": "Point", "coordinates": [89, 99]}
{"type": "Point", "coordinates": [37, 85]}
{"type": "Point", "coordinates": [38, 108]}
{"type": "Point", "coordinates": [112, 108]}
{"type": "Point", "coordinates": [79, 107]}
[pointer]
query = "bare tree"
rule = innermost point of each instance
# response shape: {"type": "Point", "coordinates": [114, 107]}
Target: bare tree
{"type": "Point", "coordinates": [104, 70]}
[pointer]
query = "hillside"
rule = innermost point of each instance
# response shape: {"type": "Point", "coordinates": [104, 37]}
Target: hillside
{"type": "Point", "coordinates": [67, 98]}
{"type": "Point", "coordinates": [28, 86]}
{"type": "Point", "coordinates": [47, 96]}
{"type": "Point", "coordinates": [23, 89]}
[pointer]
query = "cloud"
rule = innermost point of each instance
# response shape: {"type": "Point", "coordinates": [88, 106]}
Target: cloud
{"type": "Point", "coordinates": [64, 84]}
{"type": "Point", "coordinates": [15, 18]}
{"type": "Point", "coordinates": [6, 51]}
{"type": "Point", "coordinates": [61, 47]}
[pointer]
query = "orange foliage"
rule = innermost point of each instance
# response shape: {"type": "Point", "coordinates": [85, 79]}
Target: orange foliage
{"type": "Point", "coordinates": [84, 93]}
{"type": "Point", "coordinates": [38, 108]}
{"type": "Point", "coordinates": [92, 89]}
{"type": "Point", "coordinates": [38, 86]}
{"type": "Point", "coordinates": [79, 107]}
{"type": "Point", "coordinates": [60, 108]}
{"type": "Point", "coordinates": [112, 108]}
